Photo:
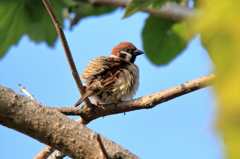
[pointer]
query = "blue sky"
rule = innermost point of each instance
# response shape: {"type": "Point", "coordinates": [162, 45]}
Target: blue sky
{"type": "Point", "coordinates": [182, 128]}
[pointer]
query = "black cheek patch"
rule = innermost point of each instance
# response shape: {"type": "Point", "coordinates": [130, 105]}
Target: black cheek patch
{"type": "Point", "coordinates": [133, 59]}
{"type": "Point", "coordinates": [122, 55]}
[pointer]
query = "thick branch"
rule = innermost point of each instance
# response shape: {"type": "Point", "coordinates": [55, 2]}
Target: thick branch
{"type": "Point", "coordinates": [148, 101]}
{"type": "Point", "coordinates": [169, 10]}
{"type": "Point", "coordinates": [53, 128]}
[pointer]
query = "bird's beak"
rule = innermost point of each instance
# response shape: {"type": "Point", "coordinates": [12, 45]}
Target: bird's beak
{"type": "Point", "coordinates": [138, 52]}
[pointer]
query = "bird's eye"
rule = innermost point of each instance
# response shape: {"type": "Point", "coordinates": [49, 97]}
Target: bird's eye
{"type": "Point", "coordinates": [127, 50]}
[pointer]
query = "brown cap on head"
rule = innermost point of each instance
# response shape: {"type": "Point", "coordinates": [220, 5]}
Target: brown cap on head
{"type": "Point", "coordinates": [122, 46]}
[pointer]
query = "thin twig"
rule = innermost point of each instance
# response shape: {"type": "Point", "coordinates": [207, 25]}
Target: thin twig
{"type": "Point", "coordinates": [103, 149]}
{"type": "Point", "coordinates": [48, 150]}
{"type": "Point", "coordinates": [169, 10]}
{"type": "Point", "coordinates": [57, 155]}
{"type": "Point", "coordinates": [184, 3]}
{"type": "Point", "coordinates": [66, 49]}
{"type": "Point", "coordinates": [22, 89]}
{"type": "Point", "coordinates": [146, 102]}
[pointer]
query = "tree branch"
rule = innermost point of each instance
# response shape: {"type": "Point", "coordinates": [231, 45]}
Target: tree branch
{"type": "Point", "coordinates": [44, 153]}
{"type": "Point", "coordinates": [148, 101]}
{"type": "Point", "coordinates": [58, 154]}
{"type": "Point", "coordinates": [53, 128]}
{"type": "Point", "coordinates": [66, 50]}
{"type": "Point", "coordinates": [169, 10]}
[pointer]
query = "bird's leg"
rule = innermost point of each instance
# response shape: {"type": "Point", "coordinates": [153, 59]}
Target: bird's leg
{"type": "Point", "coordinates": [99, 105]}
{"type": "Point", "coordinates": [118, 101]}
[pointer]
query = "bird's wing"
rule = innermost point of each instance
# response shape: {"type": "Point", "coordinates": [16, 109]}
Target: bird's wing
{"type": "Point", "coordinates": [105, 71]}
{"type": "Point", "coordinates": [110, 76]}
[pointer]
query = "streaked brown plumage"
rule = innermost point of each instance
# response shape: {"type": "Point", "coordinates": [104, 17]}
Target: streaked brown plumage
{"type": "Point", "coordinates": [112, 79]}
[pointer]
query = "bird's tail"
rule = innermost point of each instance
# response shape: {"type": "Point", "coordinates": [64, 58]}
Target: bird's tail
{"type": "Point", "coordinates": [87, 94]}
{"type": "Point", "coordinates": [79, 102]}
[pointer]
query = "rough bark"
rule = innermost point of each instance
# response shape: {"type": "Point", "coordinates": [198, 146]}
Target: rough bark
{"type": "Point", "coordinates": [53, 128]}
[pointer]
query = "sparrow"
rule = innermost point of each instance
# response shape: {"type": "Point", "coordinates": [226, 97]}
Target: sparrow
{"type": "Point", "coordinates": [112, 79]}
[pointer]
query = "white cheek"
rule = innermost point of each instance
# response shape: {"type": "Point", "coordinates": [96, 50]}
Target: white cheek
{"type": "Point", "coordinates": [128, 57]}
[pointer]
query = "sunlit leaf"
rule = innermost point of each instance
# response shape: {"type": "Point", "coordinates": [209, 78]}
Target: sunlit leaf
{"type": "Point", "coordinates": [162, 39]}
{"type": "Point", "coordinates": [219, 28]}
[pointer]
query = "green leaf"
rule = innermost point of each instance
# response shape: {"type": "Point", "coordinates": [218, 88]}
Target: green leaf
{"type": "Point", "coordinates": [163, 39]}
{"type": "Point", "coordinates": [136, 5]}
{"type": "Point", "coordinates": [82, 10]}
{"type": "Point", "coordinates": [11, 25]}
{"type": "Point", "coordinates": [41, 27]}
{"type": "Point", "coordinates": [157, 4]}
{"type": "Point", "coordinates": [20, 17]}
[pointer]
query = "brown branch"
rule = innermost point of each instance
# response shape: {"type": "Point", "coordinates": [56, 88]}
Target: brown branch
{"type": "Point", "coordinates": [184, 2]}
{"type": "Point", "coordinates": [46, 151]}
{"type": "Point", "coordinates": [66, 49]}
{"type": "Point", "coordinates": [148, 101]}
{"type": "Point", "coordinates": [58, 154]}
{"type": "Point", "coordinates": [169, 10]}
{"type": "Point", "coordinates": [52, 127]}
